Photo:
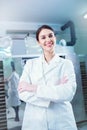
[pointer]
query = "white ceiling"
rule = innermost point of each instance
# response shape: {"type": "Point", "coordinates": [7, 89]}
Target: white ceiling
{"type": "Point", "coordinates": [18, 17]}
{"type": "Point", "coordinates": [48, 11]}
{"type": "Point", "coordinates": [39, 11]}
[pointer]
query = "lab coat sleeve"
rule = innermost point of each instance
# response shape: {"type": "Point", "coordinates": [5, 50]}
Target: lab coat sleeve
{"type": "Point", "coordinates": [25, 77]}
{"type": "Point", "coordinates": [61, 92]}
{"type": "Point", "coordinates": [30, 97]}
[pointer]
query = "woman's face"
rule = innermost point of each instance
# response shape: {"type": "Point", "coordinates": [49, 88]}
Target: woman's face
{"type": "Point", "coordinates": [47, 40]}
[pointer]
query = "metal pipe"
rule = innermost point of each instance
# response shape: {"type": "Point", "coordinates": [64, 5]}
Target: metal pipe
{"type": "Point", "coordinates": [70, 25]}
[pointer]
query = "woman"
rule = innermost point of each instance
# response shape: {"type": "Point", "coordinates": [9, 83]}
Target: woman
{"type": "Point", "coordinates": [48, 85]}
{"type": "Point", "coordinates": [13, 97]}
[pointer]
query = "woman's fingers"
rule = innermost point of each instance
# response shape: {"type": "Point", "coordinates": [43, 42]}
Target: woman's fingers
{"type": "Point", "coordinates": [23, 86]}
{"type": "Point", "coordinates": [63, 80]}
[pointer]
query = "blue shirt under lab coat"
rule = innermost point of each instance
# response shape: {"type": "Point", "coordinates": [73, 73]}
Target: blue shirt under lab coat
{"type": "Point", "coordinates": [49, 108]}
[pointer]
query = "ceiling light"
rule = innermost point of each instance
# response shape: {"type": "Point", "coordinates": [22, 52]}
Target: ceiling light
{"type": "Point", "coordinates": [85, 16]}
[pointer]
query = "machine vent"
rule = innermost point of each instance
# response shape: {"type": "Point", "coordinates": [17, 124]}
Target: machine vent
{"type": "Point", "coordinates": [3, 117]}
{"type": "Point", "coordinates": [84, 82]}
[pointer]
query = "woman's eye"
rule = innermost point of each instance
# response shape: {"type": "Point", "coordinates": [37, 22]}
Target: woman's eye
{"type": "Point", "coordinates": [43, 37]}
{"type": "Point", "coordinates": [50, 35]}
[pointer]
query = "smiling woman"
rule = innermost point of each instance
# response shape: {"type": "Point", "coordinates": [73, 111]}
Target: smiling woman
{"type": "Point", "coordinates": [47, 86]}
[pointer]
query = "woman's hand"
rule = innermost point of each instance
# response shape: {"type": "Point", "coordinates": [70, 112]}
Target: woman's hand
{"type": "Point", "coordinates": [62, 81]}
{"type": "Point", "coordinates": [24, 86]}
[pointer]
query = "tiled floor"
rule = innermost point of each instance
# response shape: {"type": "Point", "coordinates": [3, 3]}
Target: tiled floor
{"type": "Point", "coordinates": [13, 125]}
{"type": "Point", "coordinates": [83, 127]}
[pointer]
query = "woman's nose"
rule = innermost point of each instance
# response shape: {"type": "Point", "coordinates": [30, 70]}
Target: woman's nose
{"type": "Point", "coordinates": [47, 38]}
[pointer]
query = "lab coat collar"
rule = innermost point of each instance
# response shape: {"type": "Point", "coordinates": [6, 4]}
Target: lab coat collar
{"type": "Point", "coordinates": [53, 64]}
{"type": "Point", "coordinates": [55, 59]}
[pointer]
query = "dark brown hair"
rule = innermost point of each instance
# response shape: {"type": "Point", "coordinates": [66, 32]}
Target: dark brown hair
{"type": "Point", "coordinates": [41, 28]}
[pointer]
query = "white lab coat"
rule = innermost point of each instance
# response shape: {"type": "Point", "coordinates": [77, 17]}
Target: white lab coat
{"type": "Point", "coordinates": [13, 97]}
{"type": "Point", "coordinates": [49, 108]}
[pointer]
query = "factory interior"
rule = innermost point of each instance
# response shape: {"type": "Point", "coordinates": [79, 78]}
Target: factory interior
{"type": "Point", "coordinates": [19, 20]}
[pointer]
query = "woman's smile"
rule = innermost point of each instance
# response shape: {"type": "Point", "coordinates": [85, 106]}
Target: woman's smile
{"type": "Point", "coordinates": [49, 44]}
